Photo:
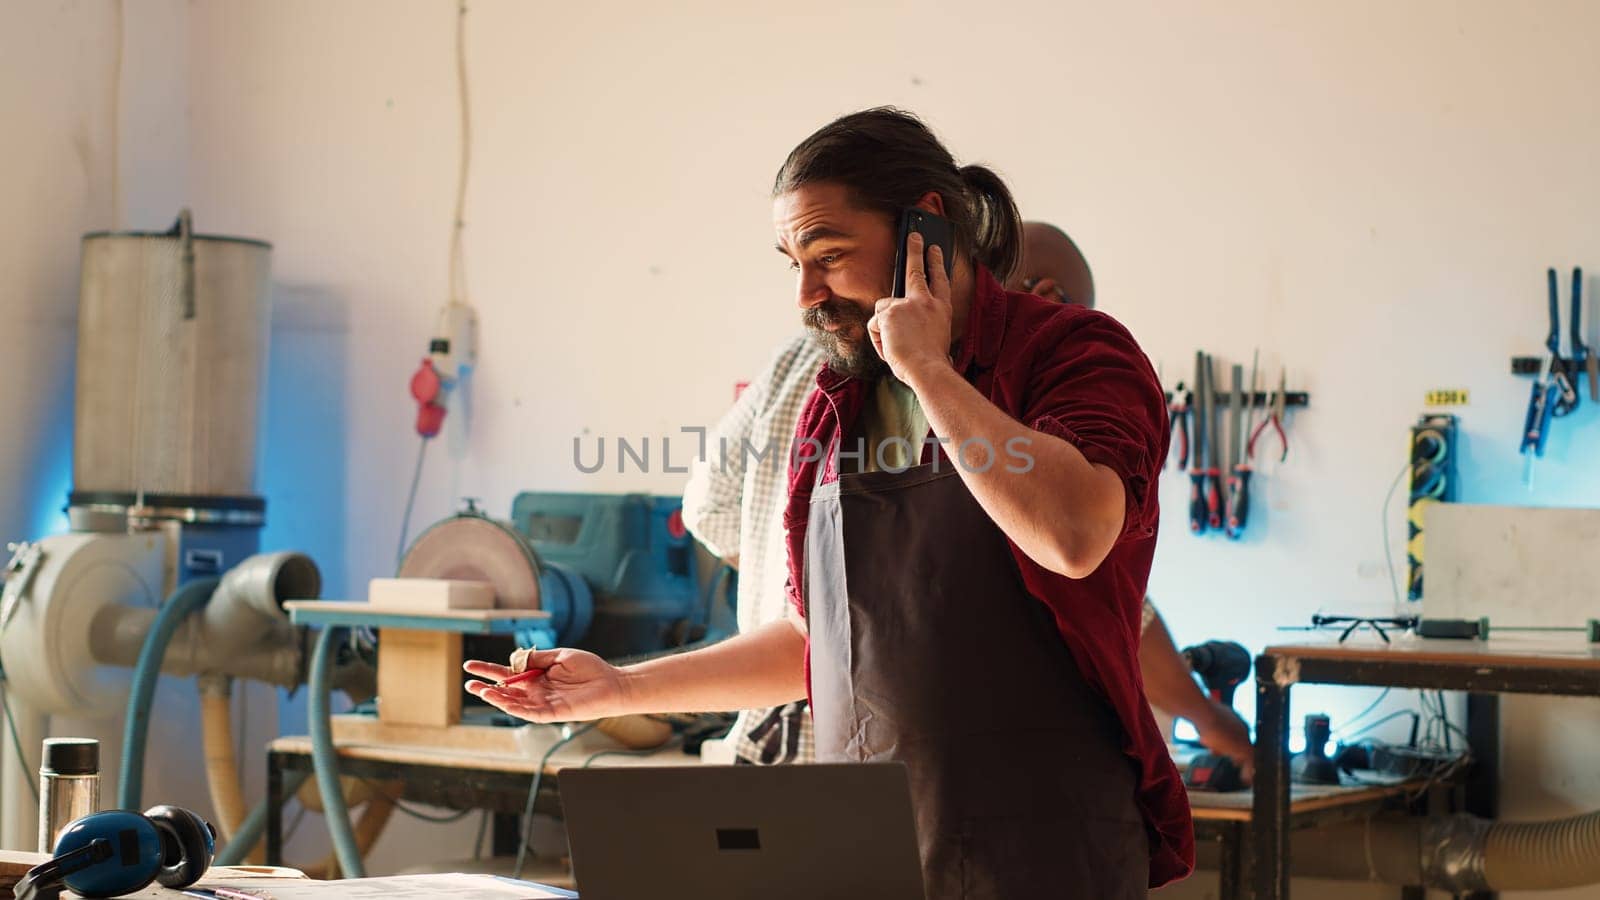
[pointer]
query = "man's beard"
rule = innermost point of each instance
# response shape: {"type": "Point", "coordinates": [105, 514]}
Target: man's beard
{"type": "Point", "coordinates": [855, 358]}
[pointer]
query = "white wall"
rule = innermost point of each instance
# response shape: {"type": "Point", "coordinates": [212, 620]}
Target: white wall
{"type": "Point", "coordinates": [1368, 191]}
{"type": "Point", "coordinates": [95, 138]}
{"type": "Point", "coordinates": [1370, 194]}
{"type": "Point", "coordinates": [57, 149]}
{"type": "Point", "coordinates": [57, 152]}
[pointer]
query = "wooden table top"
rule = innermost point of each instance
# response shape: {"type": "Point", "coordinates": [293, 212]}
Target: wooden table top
{"type": "Point", "coordinates": [1235, 806]}
{"type": "Point", "coordinates": [1572, 651]}
{"type": "Point", "coordinates": [590, 748]}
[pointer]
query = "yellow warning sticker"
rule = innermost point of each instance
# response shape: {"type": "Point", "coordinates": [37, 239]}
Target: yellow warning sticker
{"type": "Point", "coordinates": [1452, 397]}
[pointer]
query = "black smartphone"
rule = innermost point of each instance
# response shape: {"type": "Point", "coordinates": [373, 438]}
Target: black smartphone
{"type": "Point", "coordinates": [935, 231]}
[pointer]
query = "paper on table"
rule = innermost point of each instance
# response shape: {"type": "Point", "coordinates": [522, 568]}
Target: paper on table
{"type": "Point", "coordinates": [399, 887]}
{"type": "Point", "coordinates": [252, 877]}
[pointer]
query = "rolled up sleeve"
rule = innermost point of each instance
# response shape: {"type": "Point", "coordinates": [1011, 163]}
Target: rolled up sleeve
{"type": "Point", "coordinates": [1092, 386]}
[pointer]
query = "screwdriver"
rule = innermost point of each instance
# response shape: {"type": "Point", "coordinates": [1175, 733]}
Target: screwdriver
{"type": "Point", "coordinates": [1582, 359]}
{"type": "Point", "coordinates": [1239, 487]}
{"type": "Point", "coordinates": [1197, 474]}
{"type": "Point", "coordinates": [1214, 470]}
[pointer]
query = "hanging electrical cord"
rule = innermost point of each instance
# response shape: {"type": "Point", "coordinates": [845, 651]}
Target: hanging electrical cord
{"type": "Point", "coordinates": [457, 289]}
{"type": "Point", "coordinates": [675, 741]}
{"type": "Point", "coordinates": [533, 795]}
{"type": "Point", "coordinates": [244, 722]}
{"type": "Point", "coordinates": [411, 499]}
{"type": "Point", "coordinates": [1351, 722]}
{"type": "Point", "coordinates": [458, 269]}
{"type": "Point", "coordinates": [116, 119]}
{"type": "Point", "coordinates": [16, 742]}
{"type": "Point", "coordinates": [1380, 722]}
{"type": "Point", "coordinates": [483, 829]}
{"type": "Point", "coordinates": [1388, 551]}
{"type": "Point", "coordinates": [294, 826]}
{"type": "Point", "coordinates": [406, 809]}
{"type": "Point", "coordinates": [1440, 728]}
{"type": "Point", "coordinates": [445, 819]}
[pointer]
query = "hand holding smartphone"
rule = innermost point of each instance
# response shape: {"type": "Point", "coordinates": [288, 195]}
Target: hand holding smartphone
{"type": "Point", "coordinates": [935, 231]}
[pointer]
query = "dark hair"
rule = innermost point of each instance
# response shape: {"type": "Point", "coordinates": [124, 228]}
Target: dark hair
{"type": "Point", "coordinates": [887, 158]}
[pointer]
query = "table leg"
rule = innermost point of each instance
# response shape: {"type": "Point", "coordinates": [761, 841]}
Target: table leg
{"type": "Point", "coordinates": [507, 834]}
{"type": "Point", "coordinates": [1230, 883]}
{"type": "Point", "coordinates": [1269, 821]}
{"type": "Point", "coordinates": [1483, 779]}
{"type": "Point", "coordinates": [274, 809]}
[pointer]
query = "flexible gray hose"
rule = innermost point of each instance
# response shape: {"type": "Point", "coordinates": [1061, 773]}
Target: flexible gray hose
{"type": "Point", "coordinates": [325, 760]}
{"type": "Point", "coordinates": [1459, 854]}
{"type": "Point", "coordinates": [1541, 856]}
{"type": "Point", "coordinates": [249, 831]}
{"type": "Point", "coordinates": [136, 725]}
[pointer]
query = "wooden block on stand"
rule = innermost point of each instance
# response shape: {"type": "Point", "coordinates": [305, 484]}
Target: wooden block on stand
{"type": "Point", "coordinates": [419, 677]}
{"type": "Point", "coordinates": [429, 594]}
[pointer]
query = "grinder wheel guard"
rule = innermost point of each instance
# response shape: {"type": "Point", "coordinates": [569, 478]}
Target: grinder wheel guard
{"type": "Point", "coordinates": [475, 548]}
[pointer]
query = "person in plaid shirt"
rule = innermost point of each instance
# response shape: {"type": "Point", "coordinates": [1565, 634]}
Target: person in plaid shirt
{"type": "Point", "coordinates": [733, 504]}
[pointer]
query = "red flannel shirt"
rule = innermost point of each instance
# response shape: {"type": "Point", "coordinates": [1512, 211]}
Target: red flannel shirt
{"type": "Point", "coordinates": [1078, 375]}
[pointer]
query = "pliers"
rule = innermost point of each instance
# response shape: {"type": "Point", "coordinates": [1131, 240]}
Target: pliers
{"type": "Point", "coordinates": [1178, 418]}
{"type": "Point", "coordinates": [1564, 372]}
{"type": "Point", "coordinates": [1274, 418]}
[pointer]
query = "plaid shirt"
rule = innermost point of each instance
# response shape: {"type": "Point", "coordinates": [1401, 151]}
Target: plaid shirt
{"type": "Point", "coordinates": [734, 503]}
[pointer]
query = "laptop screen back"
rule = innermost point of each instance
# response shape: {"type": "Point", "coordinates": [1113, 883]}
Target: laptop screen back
{"type": "Point", "coordinates": [740, 832]}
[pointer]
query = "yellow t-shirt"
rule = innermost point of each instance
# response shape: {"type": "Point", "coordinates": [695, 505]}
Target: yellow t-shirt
{"type": "Point", "coordinates": [894, 427]}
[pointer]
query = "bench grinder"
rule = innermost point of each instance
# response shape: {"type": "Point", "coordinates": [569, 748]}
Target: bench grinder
{"type": "Point", "coordinates": [617, 572]}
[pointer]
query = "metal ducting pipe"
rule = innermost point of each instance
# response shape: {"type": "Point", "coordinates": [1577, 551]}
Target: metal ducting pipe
{"type": "Point", "coordinates": [247, 608]}
{"type": "Point", "coordinates": [119, 631]}
{"type": "Point", "coordinates": [1458, 854]}
{"type": "Point", "coordinates": [242, 631]}
{"type": "Point", "coordinates": [1388, 851]}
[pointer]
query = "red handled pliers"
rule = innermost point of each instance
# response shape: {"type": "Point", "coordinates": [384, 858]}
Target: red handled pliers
{"type": "Point", "coordinates": [1274, 418]}
{"type": "Point", "coordinates": [1178, 416]}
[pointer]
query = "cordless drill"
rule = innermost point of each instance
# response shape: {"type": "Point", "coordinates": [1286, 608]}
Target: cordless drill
{"type": "Point", "coordinates": [1222, 666]}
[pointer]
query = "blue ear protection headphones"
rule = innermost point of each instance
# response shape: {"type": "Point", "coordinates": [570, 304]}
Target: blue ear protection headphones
{"type": "Point", "coordinates": [108, 854]}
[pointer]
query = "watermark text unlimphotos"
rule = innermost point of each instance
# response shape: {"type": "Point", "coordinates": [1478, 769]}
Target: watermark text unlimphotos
{"type": "Point", "coordinates": [591, 454]}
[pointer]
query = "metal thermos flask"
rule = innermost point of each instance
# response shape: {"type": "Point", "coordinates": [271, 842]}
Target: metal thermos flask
{"type": "Point", "coordinates": [69, 786]}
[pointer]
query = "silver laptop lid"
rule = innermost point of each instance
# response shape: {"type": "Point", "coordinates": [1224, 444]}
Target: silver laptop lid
{"type": "Point", "coordinates": [739, 832]}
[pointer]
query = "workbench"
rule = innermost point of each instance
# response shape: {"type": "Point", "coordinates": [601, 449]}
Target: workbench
{"type": "Point", "coordinates": [1482, 668]}
{"type": "Point", "coordinates": [454, 778]}
{"type": "Point", "coordinates": [1225, 818]}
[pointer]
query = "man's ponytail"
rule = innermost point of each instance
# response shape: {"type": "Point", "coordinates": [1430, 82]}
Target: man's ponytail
{"type": "Point", "coordinates": [996, 224]}
{"type": "Point", "coordinates": [888, 159]}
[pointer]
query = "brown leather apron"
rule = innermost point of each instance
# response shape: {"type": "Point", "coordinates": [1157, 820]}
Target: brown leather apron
{"type": "Point", "coordinates": [927, 649]}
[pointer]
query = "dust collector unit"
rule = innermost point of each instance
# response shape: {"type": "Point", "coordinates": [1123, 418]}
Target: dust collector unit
{"type": "Point", "coordinates": [172, 351]}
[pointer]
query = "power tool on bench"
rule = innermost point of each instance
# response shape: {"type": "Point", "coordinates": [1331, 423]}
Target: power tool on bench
{"type": "Point", "coordinates": [1221, 666]}
{"type": "Point", "coordinates": [617, 573]}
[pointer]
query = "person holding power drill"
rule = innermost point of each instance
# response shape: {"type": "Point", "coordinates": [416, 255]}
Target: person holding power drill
{"type": "Point", "coordinates": [974, 619]}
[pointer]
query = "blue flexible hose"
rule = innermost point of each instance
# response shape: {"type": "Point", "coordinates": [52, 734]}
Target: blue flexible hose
{"type": "Point", "coordinates": [136, 726]}
{"type": "Point", "coordinates": [249, 831]}
{"type": "Point", "coordinates": [325, 761]}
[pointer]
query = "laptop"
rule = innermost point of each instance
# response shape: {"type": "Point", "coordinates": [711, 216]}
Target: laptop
{"type": "Point", "coordinates": [742, 832]}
